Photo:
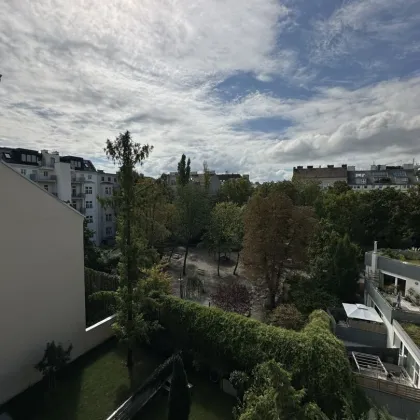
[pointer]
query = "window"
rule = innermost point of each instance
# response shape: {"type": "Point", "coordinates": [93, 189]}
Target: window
{"type": "Point", "coordinates": [115, 179]}
{"type": "Point", "coordinates": [23, 157]}
{"type": "Point", "coordinates": [73, 204]}
{"type": "Point", "coordinates": [103, 178]}
{"type": "Point", "coordinates": [46, 187]}
{"type": "Point", "coordinates": [45, 173]}
{"type": "Point", "coordinates": [88, 190]}
{"type": "Point", "coordinates": [108, 231]}
{"type": "Point", "coordinates": [52, 161]}
{"type": "Point", "coordinates": [7, 155]}
{"type": "Point", "coordinates": [109, 179]}
{"type": "Point", "coordinates": [89, 204]}
{"type": "Point", "coordinates": [108, 217]}
{"type": "Point", "coordinates": [108, 190]}
{"type": "Point", "coordinates": [23, 171]}
{"type": "Point", "coordinates": [89, 176]}
{"type": "Point", "coordinates": [89, 219]}
{"type": "Point", "coordinates": [73, 190]}
{"type": "Point", "coordinates": [33, 158]}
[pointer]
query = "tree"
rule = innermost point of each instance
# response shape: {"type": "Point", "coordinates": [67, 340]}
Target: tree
{"type": "Point", "coordinates": [232, 297]}
{"type": "Point", "coordinates": [92, 254]}
{"type": "Point", "coordinates": [207, 176]}
{"type": "Point", "coordinates": [54, 359]}
{"type": "Point", "coordinates": [223, 230]}
{"type": "Point", "coordinates": [238, 236]}
{"type": "Point", "coordinates": [179, 403]}
{"type": "Point", "coordinates": [192, 214]}
{"type": "Point", "coordinates": [127, 154]}
{"type": "Point", "coordinates": [237, 190]}
{"type": "Point", "coordinates": [271, 396]}
{"type": "Point", "coordinates": [276, 237]}
{"type": "Point", "coordinates": [153, 211]}
{"type": "Point", "coordinates": [334, 263]}
{"type": "Point", "coordinates": [286, 316]}
{"type": "Point", "coordinates": [184, 171]}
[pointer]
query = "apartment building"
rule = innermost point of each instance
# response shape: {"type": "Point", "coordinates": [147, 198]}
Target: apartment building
{"type": "Point", "coordinates": [377, 177]}
{"type": "Point", "coordinates": [381, 176]}
{"type": "Point", "coordinates": [392, 287]}
{"type": "Point", "coordinates": [326, 177]}
{"type": "Point", "coordinates": [72, 179]}
{"type": "Point", "coordinates": [42, 287]}
{"type": "Point", "coordinates": [215, 180]}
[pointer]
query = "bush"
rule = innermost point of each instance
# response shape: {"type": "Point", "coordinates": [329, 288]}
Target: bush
{"type": "Point", "coordinates": [232, 297]}
{"type": "Point", "coordinates": [286, 316]}
{"type": "Point", "coordinates": [315, 357]}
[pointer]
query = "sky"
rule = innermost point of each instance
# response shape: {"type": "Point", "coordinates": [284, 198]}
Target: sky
{"type": "Point", "coordinates": [255, 86]}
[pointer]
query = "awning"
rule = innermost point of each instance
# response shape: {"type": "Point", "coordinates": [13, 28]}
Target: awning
{"type": "Point", "coordinates": [363, 312]}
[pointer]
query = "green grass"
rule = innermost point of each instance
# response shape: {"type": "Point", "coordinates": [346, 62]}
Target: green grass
{"type": "Point", "coordinates": [209, 402]}
{"type": "Point", "coordinates": [413, 331]}
{"type": "Point", "coordinates": [91, 388]}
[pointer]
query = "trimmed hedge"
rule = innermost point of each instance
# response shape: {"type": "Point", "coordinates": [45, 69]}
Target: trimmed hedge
{"type": "Point", "coordinates": [315, 357]}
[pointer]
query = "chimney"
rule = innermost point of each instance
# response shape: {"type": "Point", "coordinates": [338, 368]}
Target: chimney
{"type": "Point", "coordinates": [375, 246]}
{"type": "Point", "coordinates": [330, 166]}
{"type": "Point", "coordinates": [344, 166]}
{"type": "Point", "coordinates": [374, 256]}
{"type": "Point", "coordinates": [300, 167]}
{"type": "Point", "coordinates": [310, 167]}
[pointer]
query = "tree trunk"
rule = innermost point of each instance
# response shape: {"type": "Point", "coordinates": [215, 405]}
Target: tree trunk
{"type": "Point", "coordinates": [184, 270]}
{"type": "Point", "coordinates": [218, 263]}
{"type": "Point", "coordinates": [272, 295]}
{"type": "Point", "coordinates": [236, 265]}
{"type": "Point", "coordinates": [129, 361]}
{"type": "Point", "coordinates": [172, 251]}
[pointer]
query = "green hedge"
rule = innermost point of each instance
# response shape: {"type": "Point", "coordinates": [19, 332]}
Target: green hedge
{"type": "Point", "coordinates": [98, 281]}
{"type": "Point", "coordinates": [314, 356]}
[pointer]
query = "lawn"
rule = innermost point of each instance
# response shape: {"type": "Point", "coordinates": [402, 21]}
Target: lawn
{"type": "Point", "coordinates": [91, 389]}
{"type": "Point", "coordinates": [413, 331]}
{"type": "Point", "coordinates": [209, 402]}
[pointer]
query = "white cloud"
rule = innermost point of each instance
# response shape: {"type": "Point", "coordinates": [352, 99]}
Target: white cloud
{"type": "Point", "coordinates": [77, 73]}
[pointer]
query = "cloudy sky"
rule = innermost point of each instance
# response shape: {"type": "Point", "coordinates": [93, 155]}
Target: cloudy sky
{"type": "Point", "coordinates": [255, 86]}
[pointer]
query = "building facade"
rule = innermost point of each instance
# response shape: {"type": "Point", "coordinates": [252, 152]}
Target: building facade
{"type": "Point", "coordinates": [382, 176]}
{"type": "Point", "coordinates": [391, 287]}
{"type": "Point", "coordinates": [377, 177]}
{"type": "Point", "coordinates": [326, 177]}
{"type": "Point", "coordinates": [42, 288]}
{"type": "Point", "coordinates": [73, 180]}
{"type": "Point", "coordinates": [199, 178]}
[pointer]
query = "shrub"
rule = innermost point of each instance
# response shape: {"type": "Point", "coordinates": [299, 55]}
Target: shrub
{"type": "Point", "coordinates": [315, 357]}
{"type": "Point", "coordinates": [232, 297]}
{"type": "Point", "coordinates": [286, 316]}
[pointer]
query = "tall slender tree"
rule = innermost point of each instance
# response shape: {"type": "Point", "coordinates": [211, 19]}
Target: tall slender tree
{"type": "Point", "coordinates": [184, 171]}
{"type": "Point", "coordinates": [179, 394]}
{"type": "Point", "coordinates": [127, 154]}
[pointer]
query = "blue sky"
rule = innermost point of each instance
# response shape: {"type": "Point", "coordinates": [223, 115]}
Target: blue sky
{"type": "Point", "coordinates": [257, 86]}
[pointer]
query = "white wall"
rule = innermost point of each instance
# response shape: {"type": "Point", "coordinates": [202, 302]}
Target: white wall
{"type": "Point", "coordinates": [41, 280]}
{"type": "Point", "coordinates": [62, 170]}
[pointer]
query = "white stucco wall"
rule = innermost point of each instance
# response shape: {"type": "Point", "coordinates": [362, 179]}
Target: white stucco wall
{"type": "Point", "coordinates": [41, 281]}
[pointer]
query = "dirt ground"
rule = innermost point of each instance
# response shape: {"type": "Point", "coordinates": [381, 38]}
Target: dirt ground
{"type": "Point", "coordinates": [203, 264]}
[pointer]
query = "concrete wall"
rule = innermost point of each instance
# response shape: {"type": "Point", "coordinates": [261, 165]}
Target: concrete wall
{"type": "Point", "coordinates": [367, 338]}
{"type": "Point", "coordinates": [62, 170]}
{"type": "Point", "coordinates": [42, 281]}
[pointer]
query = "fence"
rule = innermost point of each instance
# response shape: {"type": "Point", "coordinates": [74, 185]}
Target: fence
{"type": "Point", "coordinates": [149, 388]}
{"type": "Point", "coordinates": [98, 309]}
{"type": "Point", "coordinates": [389, 387]}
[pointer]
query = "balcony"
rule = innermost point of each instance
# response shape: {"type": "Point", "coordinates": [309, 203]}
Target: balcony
{"type": "Point", "coordinates": [78, 179]}
{"type": "Point", "coordinates": [78, 195]}
{"type": "Point", "coordinates": [387, 304]}
{"type": "Point", "coordinates": [81, 210]}
{"type": "Point", "coordinates": [43, 178]}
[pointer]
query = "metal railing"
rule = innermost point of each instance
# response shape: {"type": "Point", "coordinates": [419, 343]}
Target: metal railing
{"type": "Point", "coordinates": [78, 195]}
{"type": "Point", "coordinates": [389, 386]}
{"type": "Point", "coordinates": [78, 179]}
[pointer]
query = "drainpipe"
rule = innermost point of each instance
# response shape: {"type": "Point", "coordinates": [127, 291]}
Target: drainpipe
{"type": "Point", "coordinates": [375, 257]}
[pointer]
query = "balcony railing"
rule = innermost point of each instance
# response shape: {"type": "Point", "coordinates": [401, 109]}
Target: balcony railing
{"type": "Point", "coordinates": [78, 179]}
{"type": "Point", "coordinates": [78, 195]}
{"type": "Point", "coordinates": [43, 178]}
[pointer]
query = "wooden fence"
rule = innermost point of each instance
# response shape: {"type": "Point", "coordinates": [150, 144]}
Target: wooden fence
{"type": "Point", "coordinates": [389, 387]}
